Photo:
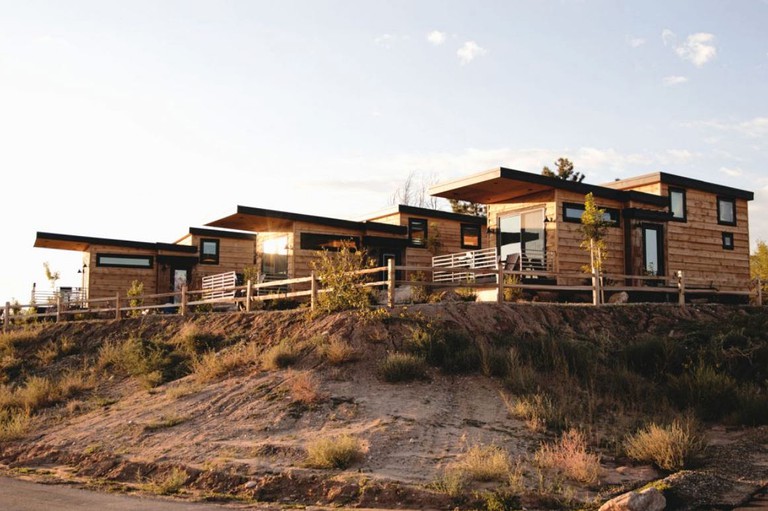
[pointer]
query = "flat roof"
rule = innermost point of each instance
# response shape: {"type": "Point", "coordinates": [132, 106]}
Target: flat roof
{"type": "Point", "coordinates": [83, 243]}
{"type": "Point", "coordinates": [683, 182]}
{"type": "Point", "coordinates": [503, 184]}
{"type": "Point", "coordinates": [269, 220]}
{"type": "Point", "coordinates": [427, 212]}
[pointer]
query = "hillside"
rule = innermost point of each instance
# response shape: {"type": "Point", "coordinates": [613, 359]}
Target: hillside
{"type": "Point", "coordinates": [438, 406]}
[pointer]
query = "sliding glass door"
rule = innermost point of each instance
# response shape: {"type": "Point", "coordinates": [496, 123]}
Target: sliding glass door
{"type": "Point", "coordinates": [523, 234]}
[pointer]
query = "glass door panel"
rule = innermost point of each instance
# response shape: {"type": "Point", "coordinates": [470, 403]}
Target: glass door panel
{"type": "Point", "coordinates": [653, 250]}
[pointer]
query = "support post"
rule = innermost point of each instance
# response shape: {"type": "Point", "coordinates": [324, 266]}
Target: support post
{"type": "Point", "coordinates": [58, 308]}
{"type": "Point", "coordinates": [117, 306]}
{"type": "Point", "coordinates": [391, 282]}
{"type": "Point", "coordinates": [759, 293]}
{"type": "Point", "coordinates": [500, 282]}
{"type": "Point", "coordinates": [681, 288]}
{"type": "Point", "coordinates": [248, 296]}
{"type": "Point", "coordinates": [7, 317]}
{"type": "Point", "coordinates": [184, 300]}
{"type": "Point", "coordinates": [313, 291]}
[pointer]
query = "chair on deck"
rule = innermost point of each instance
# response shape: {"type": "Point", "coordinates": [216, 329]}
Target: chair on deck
{"type": "Point", "coordinates": [512, 262]}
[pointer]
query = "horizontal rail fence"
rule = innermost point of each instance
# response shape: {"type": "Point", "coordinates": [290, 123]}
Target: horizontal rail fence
{"type": "Point", "coordinates": [244, 296]}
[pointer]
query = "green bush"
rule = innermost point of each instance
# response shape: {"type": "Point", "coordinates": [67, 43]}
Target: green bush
{"type": "Point", "coordinates": [711, 394]}
{"type": "Point", "coordinates": [451, 351]}
{"type": "Point", "coordinates": [403, 367]}
{"type": "Point", "coordinates": [282, 355]}
{"type": "Point", "coordinates": [335, 270]}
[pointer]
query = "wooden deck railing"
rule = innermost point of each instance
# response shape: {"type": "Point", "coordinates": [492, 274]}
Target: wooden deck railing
{"type": "Point", "coordinates": [243, 297]}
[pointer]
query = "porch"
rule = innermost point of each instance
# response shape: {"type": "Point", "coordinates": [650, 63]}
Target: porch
{"type": "Point", "coordinates": [533, 261]}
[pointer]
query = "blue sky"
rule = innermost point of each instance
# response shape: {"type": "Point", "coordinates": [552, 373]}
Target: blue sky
{"type": "Point", "coordinates": [136, 120]}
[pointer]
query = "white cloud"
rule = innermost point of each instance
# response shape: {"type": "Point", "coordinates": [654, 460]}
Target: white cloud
{"type": "Point", "coordinates": [470, 51]}
{"type": "Point", "coordinates": [698, 48]}
{"type": "Point", "coordinates": [733, 172]}
{"type": "Point", "coordinates": [754, 128]}
{"type": "Point", "coordinates": [668, 37]}
{"type": "Point", "coordinates": [677, 156]}
{"type": "Point", "coordinates": [436, 37]}
{"type": "Point", "coordinates": [674, 80]}
{"type": "Point", "coordinates": [636, 42]}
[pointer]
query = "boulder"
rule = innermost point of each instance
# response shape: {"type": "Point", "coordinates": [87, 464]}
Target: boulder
{"type": "Point", "coordinates": [650, 499]}
{"type": "Point", "coordinates": [621, 297]}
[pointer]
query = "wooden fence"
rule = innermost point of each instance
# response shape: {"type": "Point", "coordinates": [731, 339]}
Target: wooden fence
{"type": "Point", "coordinates": [243, 297]}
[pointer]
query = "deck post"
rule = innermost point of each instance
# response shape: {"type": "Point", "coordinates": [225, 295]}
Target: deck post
{"type": "Point", "coordinates": [681, 288]}
{"type": "Point", "coordinates": [183, 310]}
{"type": "Point", "coordinates": [313, 291]}
{"type": "Point", "coordinates": [58, 308]}
{"type": "Point", "coordinates": [500, 281]}
{"type": "Point", "coordinates": [7, 317]}
{"type": "Point", "coordinates": [248, 296]}
{"type": "Point", "coordinates": [391, 282]}
{"type": "Point", "coordinates": [117, 306]}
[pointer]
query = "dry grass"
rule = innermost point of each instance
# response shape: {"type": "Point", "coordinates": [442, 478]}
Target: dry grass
{"type": "Point", "coordinates": [668, 447]}
{"type": "Point", "coordinates": [284, 354]}
{"type": "Point", "coordinates": [569, 455]}
{"type": "Point", "coordinates": [484, 463]}
{"type": "Point", "coordinates": [169, 483]}
{"type": "Point", "coordinates": [337, 352]}
{"type": "Point", "coordinates": [304, 388]}
{"type": "Point", "coordinates": [334, 452]}
{"type": "Point", "coordinates": [37, 392]}
{"type": "Point", "coordinates": [536, 410]}
{"type": "Point", "coordinates": [164, 422]}
{"type": "Point", "coordinates": [403, 367]}
{"type": "Point", "coordinates": [14, 424]}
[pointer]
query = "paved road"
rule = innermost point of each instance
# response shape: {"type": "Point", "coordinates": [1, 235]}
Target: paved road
{"type": "Point", "coordinates": [18, 495]}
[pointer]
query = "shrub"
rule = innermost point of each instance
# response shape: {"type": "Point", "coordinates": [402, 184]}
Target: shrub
{"type": "Point", "coordinates": [451, 351]}
{"type": "Point", "coordinates": [337, 352]}
{"type": "Point", "coordinates": [466, 294]}
{"type": "Point", "coordinates": [335, 452]}
{"type": "Point", "coordinates": [304, 388]}
{"type": "Point", "coordinates": [569, 455]}
{"type": "Point", "coordinates": [134, 298]}
{"type": "Point", "coordinates": [485, 463]}
{"type": "Point", "coordinates": [713, 395]}
{"type": "Point", "coordinates": [670, 447]}
{"type": "Point", "coordinates": [403, 367]}
{"type": "Point", "coordinates": [345, 290]}
{"type": "Point", "coordinates": [284, 354]}
{"type": "Point", "coordinates": [537, 410]}
{"type": "Point", "coordinates": [165, 422]}
{"type": "Point", "coordinates": [169, 483]}
{"type": "Point", "coordinates": [36, 393]}
{"type": "Point", "coordinates": [512, 294]}
{"type": "Point", "coordinates": [146, 360]}
{"type": "Point", "coordinates": [192, 339]}
{"type": "Point", "coordinates": [14, 424]}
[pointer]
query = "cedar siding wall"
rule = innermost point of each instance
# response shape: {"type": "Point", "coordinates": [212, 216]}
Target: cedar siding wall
{"type": "Point", "coordinates": [106, 282]}
{"type": "Point", "coordinates": [300, 264]}
{"type": "Point", "coordinates": [234, 255]}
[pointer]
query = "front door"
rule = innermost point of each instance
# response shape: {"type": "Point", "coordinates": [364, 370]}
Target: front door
{"type": "Point", "coordinates": [523, 234]}
{"type": "Point", "coordinates": [179, 279]}
{"type": "Point", "coordinates": [653, 249]}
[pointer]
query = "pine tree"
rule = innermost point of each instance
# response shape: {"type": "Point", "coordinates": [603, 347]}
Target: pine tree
{"type": "Point", "coordinates": [564, 171]}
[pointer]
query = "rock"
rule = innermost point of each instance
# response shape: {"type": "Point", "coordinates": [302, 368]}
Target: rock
{"type": "Point", "coordinates": [622, 297]}
{"type": "Point", "coordinates": [250, 484]}
{"type": "Point", "coordinates": [650, 499]}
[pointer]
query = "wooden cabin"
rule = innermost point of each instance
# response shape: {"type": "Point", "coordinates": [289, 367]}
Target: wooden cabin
{"type": "Point", "coordinates": [660, 223]}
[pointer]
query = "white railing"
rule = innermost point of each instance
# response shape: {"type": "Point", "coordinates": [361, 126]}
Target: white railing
{"type": "Point", "coordinates": [219, 286]}
{"type": "Point", "coordinates": [473, 259]}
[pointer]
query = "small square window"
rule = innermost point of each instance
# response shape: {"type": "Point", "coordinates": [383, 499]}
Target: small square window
{"type": "Point", "coordinates": [677, 204]}
{"type": "Point", "coordinates": [417, 232]}
{"type": "Point", "coordinates": [470, 236]}
{"type": "Point", "coordinates": [209, 251]}
{"type": "Point", "coordinates": [726, 211]}
{"type": "Point", "coordinates": [728, 240]}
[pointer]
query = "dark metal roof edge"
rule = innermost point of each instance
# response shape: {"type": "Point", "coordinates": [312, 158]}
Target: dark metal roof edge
{"type": "Point", "coordinates": [687, 182]}
{"type": "Point", "coordinates": [447, 215]}
{"type": "Point", "coordinates": [322, 220]}
{"type": "Point", "coordinates": [90, 240]}
{"type": "Point", "coordinates": [199, 231]}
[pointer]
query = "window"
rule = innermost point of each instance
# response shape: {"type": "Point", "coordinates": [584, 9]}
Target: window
{"type": "Point", "coordinates": [417, 232]}
{"type": "Point", "coordinates": [209, 251]}
{"type": "Point", "coordinates": [728, 240]}
{"type": "Point", "coordinates": [726, 211]}
{"type": "Point", "coordinates": [677, 204]}
{"type": "Point", "coordinates": [274, 256]}
{"type": "Point", "coordinates": [470, 236]}
{"type": "Point", "coordinates": [572, 213]}
{"type": "Point", "coordinates": [332, 242]}
{"type": "Point", "coordinates": [123, 261]}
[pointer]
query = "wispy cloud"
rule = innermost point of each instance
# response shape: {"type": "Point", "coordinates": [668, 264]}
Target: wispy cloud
{"type": "Point", "coordinates": [436, 37]}
{"type": "Point", "coordinates": [636, 42]}
{"type": "Point", "coordinates": [698, 48]}
{"type": "Point", "coordinates": [754, 128]}
{"type": "Point", "coordinates": [733, 172]}
{"type": "Point", "coordinates": [669, 81]}
{"type": "Point", "coordinates": [469, 51]}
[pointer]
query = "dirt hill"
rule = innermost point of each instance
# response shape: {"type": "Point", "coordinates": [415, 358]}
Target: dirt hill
{"type": "Point", "coordinates": [438, 406]}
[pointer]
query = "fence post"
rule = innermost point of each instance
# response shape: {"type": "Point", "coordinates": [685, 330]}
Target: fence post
{"type": "Point", "coordinates": [313, 291]}
{"type": "Point", "coordinates": [58, 308]}
{"type": "Point", "coordinates": [248, 296]}
{"type": "Point", "coordinates": [184, 300]}
{"type": "Point", "coordinates": [681, 288]}
{"type": "Point", "coordinates": [500, 282]}
{"type": "Point", "coordinates": [7, 317]}
{"type": "Point", "coordinates": [391, 282]}
{"type": "Point", "coordinates": [117, 306]}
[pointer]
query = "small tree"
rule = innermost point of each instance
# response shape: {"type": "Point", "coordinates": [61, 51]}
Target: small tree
{"type": "Point", "coordinates": [564, 171]}
{"type": "Point", "coordinates": [52, 276]}
{"type": "Point", "coordinates": [758, 265]}
{"type": "Point", "coordinates": [414, 191]}
{"type": "Point", "coordinates": [134, 297]}
{"type": "Point", "coordinates": [593, 227]}
{"type": "Point", "coordinates": [344, 288]}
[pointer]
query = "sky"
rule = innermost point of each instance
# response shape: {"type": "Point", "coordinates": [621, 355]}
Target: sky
{"type": "Point", "coordinates": [139, 119]}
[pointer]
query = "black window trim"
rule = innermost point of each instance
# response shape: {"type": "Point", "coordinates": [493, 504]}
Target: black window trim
{"type": "Point", "coordinates": [208, 259]}
{"type": "Point", "coordinates": [412, 221]}
{"type": "Point", "coordinates": [479, 236]}
{"type": "Point", "coordinates": [614, 213]}
{"type": "Point", "coordinates": [684, 218]}
{"type": "Point", "coordinates": [732, 201]}
{"type": "Point", "coordinates": [728, 236]}
{"type": "Point", "coordinates": [150, 260]}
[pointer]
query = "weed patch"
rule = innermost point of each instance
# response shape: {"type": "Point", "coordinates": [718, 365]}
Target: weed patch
{"type": "Point", "coordinates": [335, 452]}
{"type": "Point", "coordinates": [569, 456]}
{"type": "Point", "coordinates": [403, 367]}
{"type": "Point", "coordinates": [670, 448]}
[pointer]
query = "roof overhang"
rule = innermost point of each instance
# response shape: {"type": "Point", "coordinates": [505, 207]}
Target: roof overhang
{"type": "Point", "coordinates": [84, 243]}
{"type": "Point", "coordinates": [504, 185]}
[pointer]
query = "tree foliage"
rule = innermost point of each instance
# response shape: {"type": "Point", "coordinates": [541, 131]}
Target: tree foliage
{"type": "Point", "coordinates": [344, 288]}
{"type": "Point", "coordinates": [51, 275]}
{"type": "Point", "coordinates": [467, 208]}
{"type": "Point", "coordinates": [414, 191]}
{"type": "Point", "coordinates": [594, 225]}
{"type": "Point", "coordinates": [564, 171]}
{"type": "Point", "coordinates": [758, 264]}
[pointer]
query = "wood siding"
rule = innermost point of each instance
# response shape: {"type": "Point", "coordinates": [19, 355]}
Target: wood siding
{"type": "Point", "coordinates": [106, 282]}
{"type": "Point", "coordinates": [234, 255]}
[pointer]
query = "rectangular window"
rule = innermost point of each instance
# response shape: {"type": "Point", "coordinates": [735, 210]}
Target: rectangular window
{"type": "Point", "coordinates": [470, 236]}
{"type": "Point", "coordinates": [123, 261]}
{"type": "Point", "coordinates": [677, 204]}
{"type": "Point", "coordinates": [417, 232]}
{"type": "Point", "coordinates": [209, 251]}
{"type": "Point", "coordinates": [572, 213]}
{"type": "Point", "coordinates": [274, 256]}
{"type": "Point", "coordinates": [728, 240]}
{"type": "Point", "coordinates": [332, 242]}
{"type": "Point", "coordinates": [726, 211]}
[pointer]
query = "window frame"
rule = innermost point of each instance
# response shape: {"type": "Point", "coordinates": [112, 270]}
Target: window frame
{"type": "Point", "coordinates": [681, 191]}
{"type": "Point", "coordinates": [728, 236]}
{"type": "Point", "coordinates": [614, 213]}
{"type": "Point", "coordinates": [207, 258]}
{"type": "Point", "coordinates": [150, 261]}
{"type": "Point", "coordinates": [462, 233]}
{"type": "Point", "coordinates": [732, 202]}
{"type": "Point", "coordinates": [425, 229]}
{"type": "Point", "coordinates": [312, 241]}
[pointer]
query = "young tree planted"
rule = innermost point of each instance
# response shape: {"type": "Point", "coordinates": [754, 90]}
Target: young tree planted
{"type": "Point", "coordinates": [594, 225]}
